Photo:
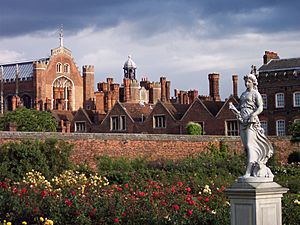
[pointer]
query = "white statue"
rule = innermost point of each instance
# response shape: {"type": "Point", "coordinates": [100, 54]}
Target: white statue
{"type": "Point", "coordinates": [256, 144]}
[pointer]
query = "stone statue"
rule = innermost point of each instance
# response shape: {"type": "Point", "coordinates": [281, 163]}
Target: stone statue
{"type": "Point", "coordinates": [258, 148]}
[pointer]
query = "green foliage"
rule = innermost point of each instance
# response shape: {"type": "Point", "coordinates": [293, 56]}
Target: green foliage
{"type": "Point", "coordinates": [29, 120]}
{"type": "Point", "coordinates": [294, 157]}
{"type": "Point", "coordinates": [50, 157]}
{"type": "Point", "coordinates": [194, 128]}
{"type": "Point", "coordinates": [294, 130]}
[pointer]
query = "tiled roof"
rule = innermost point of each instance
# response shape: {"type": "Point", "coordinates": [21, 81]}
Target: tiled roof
{"type": "Point", "coordinates": [281, 64]}
{"type": "Point", "coordinates": [137, 111]}
{"type": "Point", "coordinates": [213, 106]}
{"type": "Point", "coordinates": [177, 109]}
{"type": "Point", "coordinates": [25, 70]}
{"type": "Point", "coordinates": [62, 115]}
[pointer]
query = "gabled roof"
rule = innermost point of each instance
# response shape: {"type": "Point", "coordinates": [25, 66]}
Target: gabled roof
{"type": "Point", "coordinates": [197, 100]}
{"type": "Point", "coordinates": [280, 65]}
{"type": "Point", "coordinates": [117, 104]}
{"type": "Point", "coordinates": [213, 106]}
{"type": "Point", "coordinates": [25, 69]}
{"type": "Point", "coordinates": [87, 113]}
{"type": "Point", "coordinates": [177, 110]}
{"type": "Point", "coordinates": [136, 110]}
{"type": "Point", "coordinates": [62, 115]}
{"type": "Point", "coordinates": [230, 99]}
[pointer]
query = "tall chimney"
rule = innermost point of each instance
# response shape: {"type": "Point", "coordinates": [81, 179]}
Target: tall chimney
{"type": "Point", "coordinates": [235, 85]}
{"type": "Point", "coordinates": [168, 87]}
{"type": "Point", "coordinates": [163, 89]}
{"type": "Point", "coordinates": [88, 85]}
{"type": "Point", "coordinates": [269, 55]}
{"type": "Point", "coordinates": [126, 89]}
{"type": "Point", "coordinates": [100, 102]}
{"type": "Point", "coordinates": [214, 86]}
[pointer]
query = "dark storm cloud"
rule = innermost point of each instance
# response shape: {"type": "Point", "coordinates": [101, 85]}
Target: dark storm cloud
{"type": "Point", "coordinates": [220, 17]}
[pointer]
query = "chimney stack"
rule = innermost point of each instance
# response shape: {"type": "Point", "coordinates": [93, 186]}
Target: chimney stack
{"type": "Point", "coordinates": [168, 87]}
{"type": "Point", "coordinates": [235, 85]}
{"type": "Point", "coordinates": [126, 89]}
{"type": "Point", "coordinates": [163, 82]}
{"type": "Point", "coordinates": [214, 86]}
{"type": "Point", "coordinates": [269, 55]}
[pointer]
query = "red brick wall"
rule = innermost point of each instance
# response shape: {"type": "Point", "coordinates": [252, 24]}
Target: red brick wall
{"type": "Point", "coordinates": [153, 147]}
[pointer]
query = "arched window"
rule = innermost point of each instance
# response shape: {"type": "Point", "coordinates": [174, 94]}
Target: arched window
{"type": "Point", "coordinates": [58, 67]}
{"type": "Point", "coordinates": [66, 68]}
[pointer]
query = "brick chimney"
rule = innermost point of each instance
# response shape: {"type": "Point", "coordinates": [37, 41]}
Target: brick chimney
{"type": "Point", "coordinates": [214, 86]}
{"type": "Point", "coordinates": [100, 102]}
{"type": "Point", "coordinates": [163, 82]}
{"type": "Point", "coordinates": [110, 81]}
{"type": "Point", "coordinates": [109, 101]}
{"type": "Point", "coordinates": [193, 94]}
{"type": "Point", "coordinates": [126, 89]}
{"type": "Point", "coordinates": [88, 85]}
{"type": "Point", "coordinates": [235, 85]}
{"type": "Point", "coordinates": [269, 55]}
{"type": "Point", "coordinates": [168, 90]}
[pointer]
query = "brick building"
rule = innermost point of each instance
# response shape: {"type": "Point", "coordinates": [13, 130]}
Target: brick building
{"type": "Point", "coordinates": [279, 84]}
{"type": "Point", "coordinates": [56, 84]}
{"type": "Point", "coordinates": [53, 83]}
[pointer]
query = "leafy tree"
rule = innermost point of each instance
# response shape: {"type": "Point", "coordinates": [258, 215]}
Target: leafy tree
{"type": "Point", "coordinates": [29, 120]}
{"type": "Point", "coordinates": [294, 129]}
{"type": "Point", "coordinates": [194, 128]}
{"type": "Point", "coordinates": [50, 157]}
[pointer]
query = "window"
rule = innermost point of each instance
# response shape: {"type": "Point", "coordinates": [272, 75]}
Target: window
{"type": "Point", "coordinates": [280, 127]}
{"type": "Point", "coordinates": [232, 128]}
{"type": "Point", "coordinates": [80, 126]}
{"type": "Point", "coordinates": [117, 123]}
{"type": "Point", "coordinates": [279, 99]}
{"type": "Point", "coordinates": [264, 125]}
{"type": "Point", "coordinates": [66, 68]}
{"type": "Point", "coordinates": [265, 100]}
{"type": "Point", "coordinates": [58, 67]}
{"type": "Point", "coordinates": [159, 121]}
{"type": "Point", "coordinates": [296, 97]}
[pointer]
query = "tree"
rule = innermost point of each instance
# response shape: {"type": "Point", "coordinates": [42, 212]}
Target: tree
{"type": "Point", "coordinates": [194, 128]}
{"type": "Point", "coordinates": [294, 129]}
{"type": "Point", "coordinates": [29, 120]}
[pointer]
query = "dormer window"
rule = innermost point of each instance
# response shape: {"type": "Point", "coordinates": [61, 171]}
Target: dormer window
{"type": "Point", "coordinates": [58, 67]}
{"type": "Point", "coordinates": [66, 68]}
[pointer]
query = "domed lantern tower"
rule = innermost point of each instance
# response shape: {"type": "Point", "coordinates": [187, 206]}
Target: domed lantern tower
{"type": "Point", "coordinates": [129, 69]}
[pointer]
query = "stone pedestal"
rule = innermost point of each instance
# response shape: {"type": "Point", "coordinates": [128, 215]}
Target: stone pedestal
{"type": "Point", "coordinates": [255, 203]}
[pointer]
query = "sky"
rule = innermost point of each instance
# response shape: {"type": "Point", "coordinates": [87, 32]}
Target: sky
{"type": "Point", "coordinates": [181, 40]}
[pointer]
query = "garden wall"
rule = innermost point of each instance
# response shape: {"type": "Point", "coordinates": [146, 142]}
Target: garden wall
{"type": "Point", "coordinates": [154, 147]}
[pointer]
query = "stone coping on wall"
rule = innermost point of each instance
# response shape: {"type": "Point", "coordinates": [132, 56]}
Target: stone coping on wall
{"type": "Point", "coordinates": [124, 137]}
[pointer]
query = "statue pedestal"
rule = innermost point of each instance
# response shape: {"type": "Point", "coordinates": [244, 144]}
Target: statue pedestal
{"type": "Point", "coordinates": [255, 203]}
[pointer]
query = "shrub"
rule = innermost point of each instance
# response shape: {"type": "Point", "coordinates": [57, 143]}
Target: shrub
{"type": "Point", "coordinates": [294, 157]}
{"type": "Point", "coordinates": [194, 128]}
{"type": "Point", "coordinates": [29, 120]}
{"type": "Point", "coordinates": [294, 130]}
{"type": "Point", "coordinates": [49, 157]}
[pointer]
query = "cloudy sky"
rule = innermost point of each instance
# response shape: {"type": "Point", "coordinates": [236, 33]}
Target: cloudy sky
{"type": "Point", "coordinates": [182, 40]}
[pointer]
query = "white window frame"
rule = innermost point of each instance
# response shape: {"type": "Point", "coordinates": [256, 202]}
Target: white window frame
{"type": "Point", "coordinates": [232, 132]}
{"type": "Point", "coordinates": [118, 123]}
{"type": "Point", "coordinates": [278, 102]}
{"type": "Point", "coordinates": [264, 125]}
{"type": "Point", "coordinates": [279, 125]}
{"type": "Point", "coordinates": [296, 99]}
{"type": "Point", "coordinates": [159, 121]}
{"type": "Point", "coordinates": [78, 124]}
{"type": "Point", "coordinates": [265, 100]}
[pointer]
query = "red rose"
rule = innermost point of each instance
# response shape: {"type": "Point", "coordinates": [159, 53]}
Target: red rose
{"type": "Point", "coordinates": [176, 207]}
{"type": "Point", "coordinates": [116, 220]}
{"type": "Point", "coordinates": [189, 212]}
